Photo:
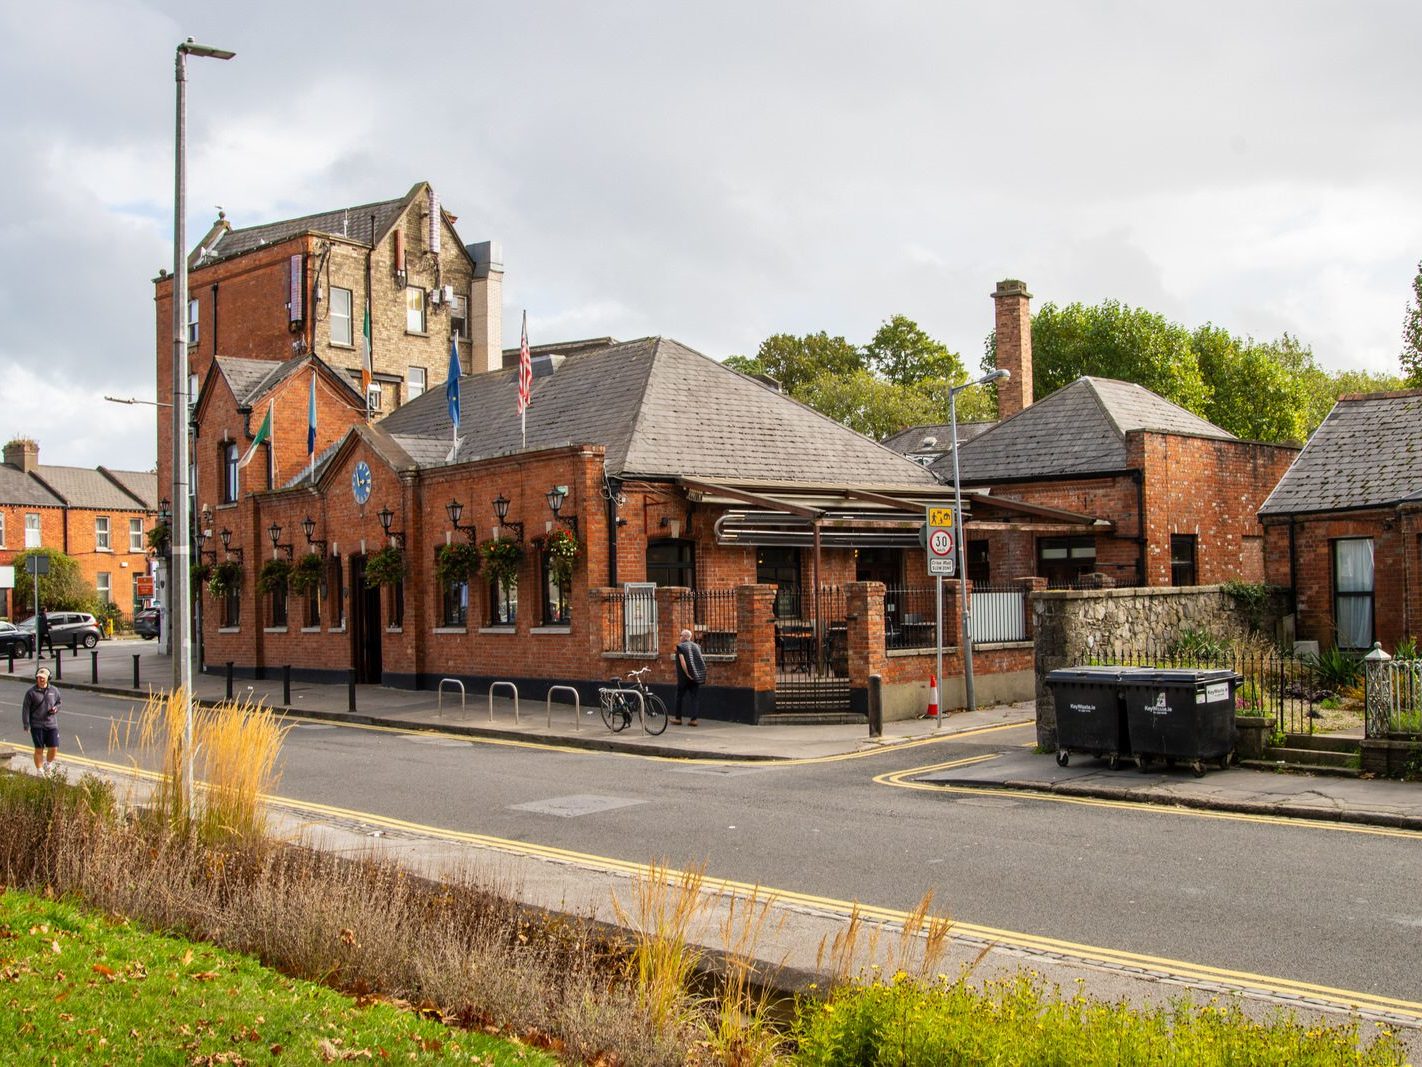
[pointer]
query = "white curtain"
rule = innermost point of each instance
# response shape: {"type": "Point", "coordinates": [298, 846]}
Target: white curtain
{"type": "Point", "coordinates": [1353, 589]}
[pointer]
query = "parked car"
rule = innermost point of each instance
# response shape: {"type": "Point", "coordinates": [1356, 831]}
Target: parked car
{"type": "Point", "coordinates": [145, 623]}
{"type": "Point", "coordinates": [14, 638]}
{"type": "Point", "coordinates": [68, 627]}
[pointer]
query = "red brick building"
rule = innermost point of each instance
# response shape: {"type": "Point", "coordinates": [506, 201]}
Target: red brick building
{"type": "Point", "coordinates": [100, 516]}
{"type": "Point", "coordinates": [1343, 529]}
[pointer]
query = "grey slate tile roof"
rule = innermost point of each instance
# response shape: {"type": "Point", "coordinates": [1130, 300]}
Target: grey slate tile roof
{"type": "Point", "coordinates": [86, 487]}
{"type": "Point", "coordinates": [142, 485]}
{"type": "Point", "coordinates": [1080, 429]}
{"type": "Point", "coordinates": [354, 223]}
{"type": "Point", "coordinates": [660, 410]}
{"type": "Point", "coordinates": [1367, 453]}
{"type": "Point", "coordinates": [17, 487]}
{"type": "Point", "coordinates": [913, 439]}
{"type": "Point", "coordinates": [250, 379]}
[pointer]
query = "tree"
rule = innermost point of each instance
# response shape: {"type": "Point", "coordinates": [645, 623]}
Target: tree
{"type": "Point", "coordinates": [868, 404]}
{"type": "Point", "coordinates": [62, 589]}
{"type": "Point", "coordinates": [795, 361]}
{"type": "Point", "coordinates": [903, 354]}
{"type": "Point", "coordinates": [1259, 392]}
{"type": "Point", "coordinates": [1411, 357]}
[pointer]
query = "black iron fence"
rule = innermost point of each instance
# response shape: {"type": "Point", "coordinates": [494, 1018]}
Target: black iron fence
{"type": "Point", "coordinates": [715, 613]}
{"type": "Point", "coordinates": [629, 621]}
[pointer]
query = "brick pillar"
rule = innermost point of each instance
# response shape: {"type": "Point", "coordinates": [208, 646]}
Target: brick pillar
{"type": "Point", "coordinates": [675, 611]}
{"type": "Point", "coordinates": [755, 645]}
{"type": "Point", "coordinates": [1028, 587]}
{"type": "Point", "coordinates": [864, 617]}
{"type": "Point", "coordinates": [1013, 319]}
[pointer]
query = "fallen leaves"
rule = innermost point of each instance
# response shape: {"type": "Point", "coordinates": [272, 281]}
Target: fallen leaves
{"type": "Point", "coordinates": [331, 1052]}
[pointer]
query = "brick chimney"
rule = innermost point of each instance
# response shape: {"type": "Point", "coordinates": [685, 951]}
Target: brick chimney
{"type": "Point", "coordinates": [486, 307]}
{"type": "Point", "coordinates": [1014, 346]}
{"type": "Point", "coordinates": [23, 454]}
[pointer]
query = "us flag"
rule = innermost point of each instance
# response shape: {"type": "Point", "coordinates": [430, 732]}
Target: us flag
{"type": "Point", "coordinates": [525, 371]}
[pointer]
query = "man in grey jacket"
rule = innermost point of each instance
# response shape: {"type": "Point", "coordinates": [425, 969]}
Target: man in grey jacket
{"type": "Point", "coordinates": [39, 714]}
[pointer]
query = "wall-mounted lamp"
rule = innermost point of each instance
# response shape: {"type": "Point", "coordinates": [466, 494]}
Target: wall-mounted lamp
{"type": "Point", "coordinates": [501, 510]}
{"type": "Point", "coordinates": [308, 527]}
{"type": "Point", "coordinates": [165, 513]}
{"type": "Point", "coordinates": [202, 538]}
{"type": "Point", "coordinates": [555, 498]}
{"type": "Point", "coordinates": [454, 509]}
{"type": "Point", "coordinates": [386, 518]}
{"type": "Point", "coordinates": [226, 536]}
{"type": "Point", "coordinates": [274, 532]}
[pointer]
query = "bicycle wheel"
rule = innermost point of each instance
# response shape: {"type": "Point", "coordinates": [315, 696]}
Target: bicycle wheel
{"type": "Point", "coordinates": [611, 711]}
{"type": "Point", "coordinates": [654, 716]}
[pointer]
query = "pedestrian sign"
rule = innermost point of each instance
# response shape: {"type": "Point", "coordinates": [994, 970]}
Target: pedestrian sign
{"type": "Point", "coordinates": [941, 532]}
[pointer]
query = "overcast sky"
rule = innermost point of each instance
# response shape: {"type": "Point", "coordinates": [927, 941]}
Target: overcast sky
{"type": "Point", "coordinates": [720, 172]}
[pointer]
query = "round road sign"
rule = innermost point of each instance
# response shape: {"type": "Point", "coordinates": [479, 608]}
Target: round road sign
{"type": "Point", "coordinates": [940, 542]}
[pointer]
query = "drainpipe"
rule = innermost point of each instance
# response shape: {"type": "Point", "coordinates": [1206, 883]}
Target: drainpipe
{"type": "Point", "coordinates": [611, 533]}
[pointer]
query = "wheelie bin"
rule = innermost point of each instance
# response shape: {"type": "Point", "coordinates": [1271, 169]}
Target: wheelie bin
{"type": "Point", "coordinates": [1181, 716]}
{"type": "Point", "coordinates": [1090, 716]}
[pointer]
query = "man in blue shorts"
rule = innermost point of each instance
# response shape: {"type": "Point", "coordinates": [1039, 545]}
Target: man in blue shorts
{"type": "Point", "coordinates": [39, 714]}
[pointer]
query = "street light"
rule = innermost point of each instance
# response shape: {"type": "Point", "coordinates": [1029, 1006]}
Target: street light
{"type": "Point", "coordinates": [997, 375]}
{"type": "Point", "coordinates": [179, 578]}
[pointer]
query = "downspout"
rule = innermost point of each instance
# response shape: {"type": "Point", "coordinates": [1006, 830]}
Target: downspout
{"type": "Point", "coordinates": [214, 320]}
{"type": "Point", "coordinates": [610, 495]}
{"type": "Point", "coordinates": [1293, 564]}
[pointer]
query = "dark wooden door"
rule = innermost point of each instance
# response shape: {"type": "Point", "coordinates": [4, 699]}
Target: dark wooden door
{"type": "Point", "coordinates": [365, 625]}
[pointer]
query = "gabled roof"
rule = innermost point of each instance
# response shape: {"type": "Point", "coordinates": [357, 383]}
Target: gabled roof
{"type": "Point", "coordinates": [380, 442]}
{"type": "Point", "coordinates": [86, 487]}
{"type": "Point", "coordinates": [363, 223]}
{"type": "Point", "coordinates": [1078, 430]}
{"type": "Point", "coordinates": [251, 379]}
{"type": "Point", "coordinates": [1367, 453]}
{"type": "Point", "coordinates": [17, 487]}
{"type": "Point", "coordinates": [141, 485]}
{"type": "Point", "coordinates": [660, 410]}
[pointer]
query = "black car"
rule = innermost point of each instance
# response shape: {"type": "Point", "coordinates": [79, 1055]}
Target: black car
{"type": "Point", "coordinates": [145, 623]}
{"type": "Point", "coordinates": [12, 638]}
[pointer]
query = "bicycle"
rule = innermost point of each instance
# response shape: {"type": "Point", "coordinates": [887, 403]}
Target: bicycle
{"type": "Point", "coordinates": [619, 703]}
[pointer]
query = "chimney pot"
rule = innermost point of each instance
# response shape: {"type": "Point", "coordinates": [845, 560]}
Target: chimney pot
{"type": "Point", "coordinates": [23, 454]}
{"type": "Point", "coordinates": [1013, 323]}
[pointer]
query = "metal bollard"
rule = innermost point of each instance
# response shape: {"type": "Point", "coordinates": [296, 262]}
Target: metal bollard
{"type": "Point", "coordinates": [876, 706]}
{"type": "Point", "coordinates": [59, 666]}
{"type": "Point", "coordinates": [286, 685]}
{"type": "Point", "coordinates": [350, 690]}
{"type": "Point", "coordinates": [94, 666]}
{"type": "Point", "coordinates": [229, 679]}
{"type": "Point", "coordinates": [12, 659]}
{"type": "Point", "coordinates": [135, 670]}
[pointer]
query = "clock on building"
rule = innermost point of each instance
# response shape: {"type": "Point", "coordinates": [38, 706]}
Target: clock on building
{"type": "Point", "coordinates": [360, 482]}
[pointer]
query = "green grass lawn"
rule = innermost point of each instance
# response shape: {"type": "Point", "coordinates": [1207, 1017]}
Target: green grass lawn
{"type": "Point", "coordinates": [76, 987]}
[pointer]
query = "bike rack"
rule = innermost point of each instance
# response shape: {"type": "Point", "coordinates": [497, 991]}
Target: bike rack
{"type": "Point", "coordinates": [577, 705]}
{"type": "Point", "coordinates": [604, 693]}
{"type": "Point", "coordinates": [495, 685]}
{"type": "Point", "coordinates": [462, 699]}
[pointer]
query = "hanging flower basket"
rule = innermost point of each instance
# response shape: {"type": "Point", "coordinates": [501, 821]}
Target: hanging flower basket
{"type": "Point", "coordinates": [199, 573]}
{"type": "Point", "coordinates": [386, 567]}
{"type": "Point", "coordinates": [562, 549]}
{"type": "Point", "coordinates": [160, 539]}
{"type": "Point", "coordinates": [275, 574]}
{"type": "Point", "coordinates": [503, 556]}
{"type": "Point", "coordinates": [306, 573]}
{"type": "Point", "coordinates": [456, 562]}
{"type": "Point", "coordinates": [226, 578]}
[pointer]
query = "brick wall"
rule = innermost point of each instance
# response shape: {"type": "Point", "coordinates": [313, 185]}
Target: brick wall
{"type": "Point", "coordinates": [73, 532]}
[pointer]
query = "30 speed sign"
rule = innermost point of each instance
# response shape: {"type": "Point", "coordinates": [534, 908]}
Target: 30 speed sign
{"type": "Point", "coordinates": [941, 529]}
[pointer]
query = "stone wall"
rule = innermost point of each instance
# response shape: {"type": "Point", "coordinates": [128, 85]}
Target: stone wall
{"type": "Point", "coordinates": [1075, 627]}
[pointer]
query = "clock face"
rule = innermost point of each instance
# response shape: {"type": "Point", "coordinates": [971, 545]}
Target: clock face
{"type": "Point", "coordinates": [360, 482]}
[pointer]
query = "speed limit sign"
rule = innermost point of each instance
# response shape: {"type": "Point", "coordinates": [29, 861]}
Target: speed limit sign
{"type": "Point", "coordinates": [941, 527]}
{"type": "Point", "coordinates": [940, 543]}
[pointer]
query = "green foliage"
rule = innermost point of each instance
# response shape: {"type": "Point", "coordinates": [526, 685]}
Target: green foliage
{"type": "Point", "coordinates": [562, 549]}
{"type": "Point", "coordinates": [1411, 357]}
{"type": "Point", "coordinates": [909, 1023]}
{"type": "Point", "coordinates": [386, 567]}
{"type": "Point", "coordinates": [456, 562]}
{"type": "Point", "coordinates": [1406, 649]}
{"type": "Point", "coordinates": [1252, 598]}
{"type": "Point", "coordinates": [902, 354]}
{"type": "Point", "coordinates": [1335, 668]}
{"type": "Point", "coordinates": [160, 538]}
{"type": "Point", "coordinates": [307, 572]}
{"type": "Point", "coordinates": [1254, 393]}
{"type": "Point", "coordinates": [62, 589]}
{"type": "Point", "coordinates": [794, 361]}
{"type": "Point", "coordinates": [198, 573]}
{"type": "Point", "coordinates": [226, 578]}
{"type": "Point", "coordinates": [1193, 644]}
{"type": "Point", "coordinates": [275, 574]}
{"type": "Point", "coordinates": [867, 404]}
{"type": "Point", "coordinates": [503, 556]}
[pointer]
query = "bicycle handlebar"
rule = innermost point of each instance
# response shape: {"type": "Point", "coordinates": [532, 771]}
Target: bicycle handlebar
{"type": "Point", "coordinates": [638, 674]}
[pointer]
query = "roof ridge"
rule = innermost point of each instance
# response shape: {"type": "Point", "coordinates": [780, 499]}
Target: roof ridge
{"type": "Point", "coordinates": [121, 487]}
{"type": "Point", "coordinates": [1102, 405]}
{"type": "Point", "coordinates": [316, 215]}
{"type": "Point", "coordinates": [638, 412]}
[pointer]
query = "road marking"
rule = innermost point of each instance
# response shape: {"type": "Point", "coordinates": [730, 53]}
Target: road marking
{"type": "Point", "coordinates": [1247, 981]}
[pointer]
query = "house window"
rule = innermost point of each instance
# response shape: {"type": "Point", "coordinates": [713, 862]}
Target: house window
{"type": "Point", "coordinates": [459, 317]}
{"type": "Point", "coordinates": [1062, 560]}
{"type": "Point", "coordinates": [341, 330]}
{"type": "Point", "coordinates": [336, 583]}
{"type": "Point", "coordinates": [555, 598]}
{"type": "Point", "coordinates": [277, 597]}
{"type": "Point", "coordinates": [32, 531]}
{"type": "Point", "coordinates": [231, 608]}
{"type": "Point", "coordinates": [135, 535]}
{"type": "Point", "coordinates": [415, 310]}
{"type": "Point", "coordinates": [2, 529]}
{"type": "Point", "coordinates": [376, 397]}
{"type": "Point", "coordinates": [229, 471]}
{"type": "Point", "coordinates": [192, 322]}
{"type": "Point", "coordinates": [416, 381]}
{"type": "Point", "coordinates": [1182, 559]}
{"type": "Point", "coordinates": [103, 582]}
{"type": "Point", "coordinates": [979, 566]}
{"type": "Point", "coordinates": [503, 605]}
{"type": "Point", "coordinates": [101, 534]}
{"type": "Point", "coordinates": [454, 601]}
{"type": "Point", "coordinates": [672, 562]}
{"type": "Point", "coordinates": [780, 567]}
{"type": "Point", "coordinates": [1353, 592]}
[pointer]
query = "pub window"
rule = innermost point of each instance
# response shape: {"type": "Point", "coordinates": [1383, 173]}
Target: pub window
{"type": "Point", "coordinates": [979, 566]}
{"type": "Point", "coordinates": [277, 599]}
{"type": "Point", "coordinates": [454, 600]}
{"type": "Point", "coordinates": [555, 598]}
{"type": "Point", "coordinates": [1182, 559]}
{"type": "Point", "coordinates": [313, 605]}
{"type": "Point", "coordinates": [336, 583]}
{"type": "Point", "coordinates": [1353, 592]}
{"type": "Point", "coordinates": [231, 608]}
{"type": "Point", "coordinates": [1062, 560]}
{"type": "Point", "coordinates": [780, 567]}
{"type": "Point", "coordinates": [503, 604]}
{"type": "Point", "coordinates": [229, 471]}
{"type": "Point", "coordinates": [672, 562]}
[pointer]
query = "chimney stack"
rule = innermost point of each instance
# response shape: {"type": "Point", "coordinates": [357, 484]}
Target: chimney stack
{"type": "Point", "coordinates": [1014, 346]}
{"type": "Point", "coordinates": [486, 306]}
{"type": "Point", "coordinates": [23, 454]}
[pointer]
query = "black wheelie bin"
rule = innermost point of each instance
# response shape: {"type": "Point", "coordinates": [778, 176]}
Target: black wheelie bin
{"type": "Point", "coordinates": [1181, 716]}
{"type": "Point", "coordinates": [1090, 716]}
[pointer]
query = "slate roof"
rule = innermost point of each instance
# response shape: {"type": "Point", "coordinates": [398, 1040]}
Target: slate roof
{"type": "Point", "coordinates": [1367, 453]}
{"type": "Point", "coordinates": [250, 379]}
{"type": "Point", "coordinates": [17, 487]}
{"type": "Point", "coordinates": [79, 487]}
{"type": "Point", "coordinates": [1078, 430]}
{"type": "Point", "coordinates": [913, 438]}
{"type": "Point", "coordinates": [660, 410]}
{"type": "Point", "coordinates": [86, 487]}
{"type": "Point", "coordinates": [142, 485]}
{"type": "Point", "coordinates": [354, 223]}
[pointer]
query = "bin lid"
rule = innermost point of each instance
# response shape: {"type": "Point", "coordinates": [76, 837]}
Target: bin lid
{"type": "Point", "coordinates": [1085, 674]}
{"type": "Point", "coordinates": [1181, 676]}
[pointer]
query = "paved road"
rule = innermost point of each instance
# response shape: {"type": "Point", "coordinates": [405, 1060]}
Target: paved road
{"type": "Point", "coordinates": [1317, 903]}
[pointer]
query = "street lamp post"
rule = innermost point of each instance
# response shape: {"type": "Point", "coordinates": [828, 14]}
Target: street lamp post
{"type": "Point", "coordinates": [967, 642]}
{"type": "Point", "coordinates": [180, 530]}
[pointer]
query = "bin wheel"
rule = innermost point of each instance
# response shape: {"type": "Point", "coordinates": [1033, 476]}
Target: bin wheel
{"type": "Point", "coordinates": [1113, 761]}
{"type": "Point", "coordinates": [1198, 769]}
{"type": "Point", "coordinates": [1063, 757]}
{"type": "Point", "coordinates": [1142, 763]}
{"type": "Point", "coordinates": [1226, 760]}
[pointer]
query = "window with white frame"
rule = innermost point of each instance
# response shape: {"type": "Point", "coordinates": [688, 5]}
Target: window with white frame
{"type": "Point", "coordinates": [375, 398]}
{"type": "Point", "coordinates": [32, 531]}
{"type": "Point", "coordinates": [229, 471]}
{"type": "Point", "coordinates": [192, 321]}
{"type": "Point", "coordinates": [459, 317]}
{"type": "Point", "coordinates": [1353, 592]}
{"type": "Point", "coordinates": [2, 529]}
{"type": "Point", "coordinates": [342, 332]}
{"type": "Point", "coordinates": [103, 582]}
{"type": "Point", "coordinates": [135, 535]}
{"type": "Point", "coordinates": [416, 381]}
{"type": "Point", "coordinates": [101, 534]}
{"type": "Point", "coordinates": [415, 310]}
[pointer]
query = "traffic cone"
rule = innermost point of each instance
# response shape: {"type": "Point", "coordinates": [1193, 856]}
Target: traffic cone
{"type": "Point", "coordinates": [932, 712]}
